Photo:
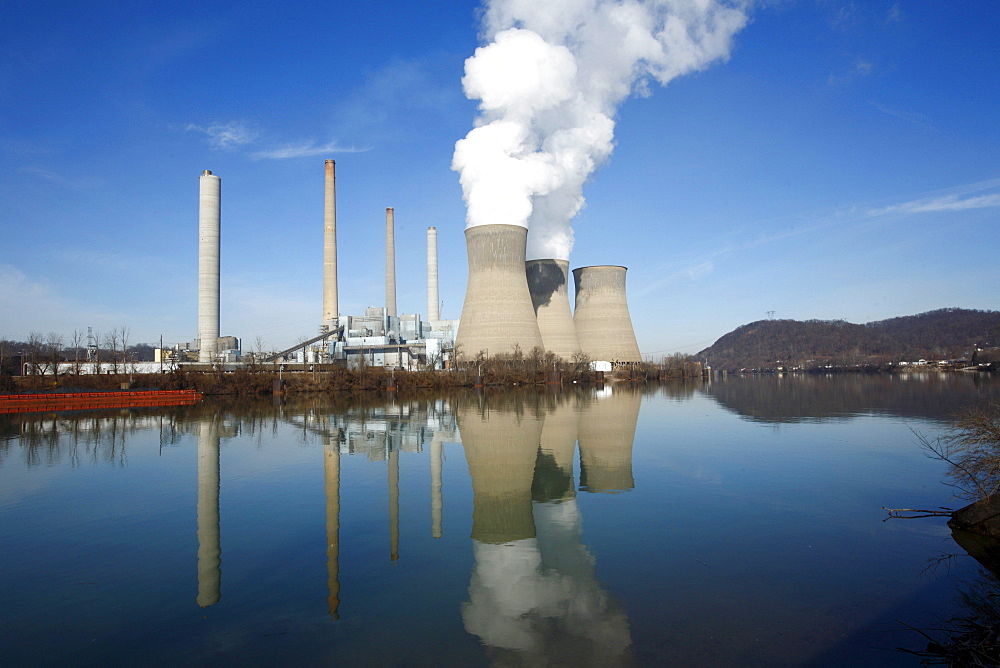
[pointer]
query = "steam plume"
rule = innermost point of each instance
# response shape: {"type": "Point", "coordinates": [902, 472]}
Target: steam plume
{"type": "Point", "coordinates": [549, 83]}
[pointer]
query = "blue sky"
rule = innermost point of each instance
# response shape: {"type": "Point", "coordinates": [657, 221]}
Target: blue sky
{"type": "Point", "coordinates": [842, 163]}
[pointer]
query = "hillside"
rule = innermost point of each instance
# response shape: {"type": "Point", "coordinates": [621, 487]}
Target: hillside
{"type": "Point", "coordinates": [941, 334]}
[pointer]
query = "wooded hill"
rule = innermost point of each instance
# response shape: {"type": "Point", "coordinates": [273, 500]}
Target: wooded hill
{"type": "Point", "coordinates": [949, 333]}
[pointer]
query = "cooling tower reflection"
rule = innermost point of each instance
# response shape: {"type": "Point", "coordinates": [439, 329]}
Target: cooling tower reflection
{"type": "Point", "coordinates": [533, 593]}
{"type": "Point", "coordinates": [607, 431]}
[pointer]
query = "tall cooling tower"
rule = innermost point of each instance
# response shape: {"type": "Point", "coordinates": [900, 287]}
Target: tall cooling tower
{"type": "Point", "coordinates": [497, 314]}
{"type": "Point", "coordinates": [547, 280]}
{"type": "Point", "coordinates": [602, 319]}
{"type": "Point", "coordinates": [330, 305]}
{"type": "Point", "coordinates": [209, 228]}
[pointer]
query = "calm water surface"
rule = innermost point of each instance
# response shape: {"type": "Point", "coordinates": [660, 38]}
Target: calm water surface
{"type": "Point", "coordinates": [736, 522]}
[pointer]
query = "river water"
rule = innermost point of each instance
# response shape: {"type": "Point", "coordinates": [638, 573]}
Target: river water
{"type": "Point", "coordinates": [736, 521]}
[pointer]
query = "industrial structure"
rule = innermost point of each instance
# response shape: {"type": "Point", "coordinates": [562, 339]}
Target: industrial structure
{"type": "Point", "coordinates": [497, 315]}
{"type": "Point", "coordinates": [547, 281]}
{"type": "Point", "coordinates": [510, 303]}
{"type": "Point", "coordinates": [209, 229]}
{"type": "Point", "coordinates": [602, 318]}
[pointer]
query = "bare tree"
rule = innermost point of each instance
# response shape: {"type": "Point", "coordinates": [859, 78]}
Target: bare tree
{"type": "Point", "coordinates": [53, 351]}
{"type": "Point", "coordinates": [33, 353]}
{"type": "Point", "coordinates": [111, 343]}
{"type": "Point", "coordinates": [76, 342]}
{"type": "Point", "coordinates": [972, 448]}
{"type": "Point", "coordinates": [123, 333]}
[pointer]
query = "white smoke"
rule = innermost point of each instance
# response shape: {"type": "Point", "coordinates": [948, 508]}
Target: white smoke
{"type": "Point", "coordinates": [549, 83]}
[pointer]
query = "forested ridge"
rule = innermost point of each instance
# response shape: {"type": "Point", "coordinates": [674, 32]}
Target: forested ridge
{"type": "Point", "coordinates": [944, 334]}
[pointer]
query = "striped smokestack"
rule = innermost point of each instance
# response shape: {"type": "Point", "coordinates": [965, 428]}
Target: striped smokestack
{"type": "Point", "coordinates": [209, 229]}
{"type": "Point", "coordinates": [331, 309]}
{"type": "Point", "coordinates": [497, 313]}
{"type": "Point", "coordinates": [602, 319]}
{"type": "Point", "coordinates": [390, 262]}
{"type": "Point", "coordinates": [432, 275]}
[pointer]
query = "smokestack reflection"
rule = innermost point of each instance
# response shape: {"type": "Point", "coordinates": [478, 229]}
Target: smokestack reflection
{"type": "Point", "coordinates": [209, 550]}
{"type": "Point", "coordinates": [331, 485]}
{"type": "Point", "coordinates": [437, 498]}
{"type": "Point", "coordinates": [393, 504]}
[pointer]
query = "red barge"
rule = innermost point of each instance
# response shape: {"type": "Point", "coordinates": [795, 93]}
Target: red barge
{"type": "Point", "coordinates": [72, 401]}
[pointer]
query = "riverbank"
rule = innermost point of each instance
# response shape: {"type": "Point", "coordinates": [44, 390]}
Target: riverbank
{"type": "Point", "coordinates": [248, 382]}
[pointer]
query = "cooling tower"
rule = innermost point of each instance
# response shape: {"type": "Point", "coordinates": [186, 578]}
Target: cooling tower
{"type": "Point", "coordinates": [602, 319]}
{"type": "Point", "coordinates": [209, 212]}
{"type": "Point", "coordinates": [547, 280]}
{"type": "Point", "coordinates": [331, 309]}
{"type": "Point", "coordinates": [432, 275]}
{"type": "Point", "coordinates": [390, 262]}
{"type": "Point", "coordinates": [497, 314]}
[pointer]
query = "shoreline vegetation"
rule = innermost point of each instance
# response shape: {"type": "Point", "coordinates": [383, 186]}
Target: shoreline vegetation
{"type": "Point", "coordinates": [517, 369]}
{"type": "Point", "coordinates": [534, 369]}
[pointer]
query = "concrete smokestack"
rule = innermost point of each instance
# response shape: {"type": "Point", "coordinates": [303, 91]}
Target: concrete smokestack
{"type": "Point", "coordinates": [432, 275]}
{"type": "Point", "coordinates": [209, 227]}
{"type": "Point", "coordinates": [390, 262]}
{"type": "Point", "coordinates": [331, 309]}
{"type": "Point", "coordinates": [602, 318]}
{"type": "Point", "coordinates": [547, 281]}
{"type": "Point", "coordinates": [497, 314]}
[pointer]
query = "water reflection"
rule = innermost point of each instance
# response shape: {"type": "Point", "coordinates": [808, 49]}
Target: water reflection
{"type": "Point", "coordinates": [508, 567]}
{"type": "Point", "coordinates": [809, 397]}
{"type": "Point", "coordinates": [607, 430]}
{"type": "Point", "coordinates": [533, 594]}
{"type": "Point", "coordinates": [331, 486]}
{"type": "Point", "coordinates": [209, 550]}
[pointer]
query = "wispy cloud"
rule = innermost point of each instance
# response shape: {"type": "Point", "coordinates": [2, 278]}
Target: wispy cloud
{"type": "Point", "coordinates": [918, 119]}
{"type": "Point", "coordinates": [944, 203]}
{"type": "Point", "coordinates": [226, 136]}
{"type": "Point", "coordinates": [305, 149]}
{"type": "Point", "coordinates": [860, 68]}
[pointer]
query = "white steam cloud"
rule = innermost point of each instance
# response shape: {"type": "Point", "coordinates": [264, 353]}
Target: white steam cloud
{"type": "Point", "coordinates": [549, 83]}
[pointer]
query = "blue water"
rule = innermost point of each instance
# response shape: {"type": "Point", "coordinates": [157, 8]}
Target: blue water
{"type": "Point", "coordinates": [737, 522]}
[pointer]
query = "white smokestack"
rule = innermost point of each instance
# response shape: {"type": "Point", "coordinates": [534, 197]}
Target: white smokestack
{"type": "Point", "coordinates": [390, 262]}
{"type": "Point", "coordinates": [209, 229]}
{"type": "Point", "coordinates": [549, 84]}
{"type": "Point", "coordinates": [331, 309]}
{"type": "Point", "coordinates": [432, 275]}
